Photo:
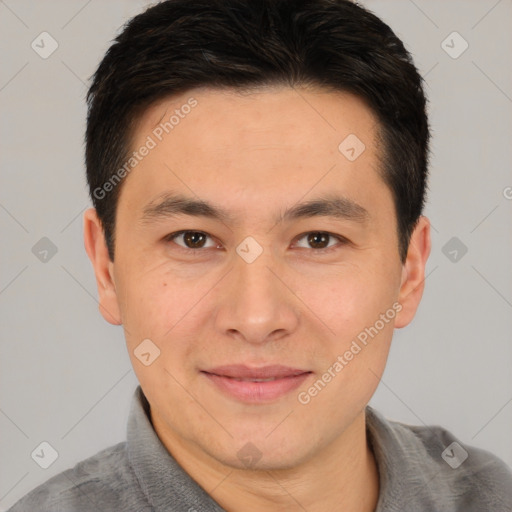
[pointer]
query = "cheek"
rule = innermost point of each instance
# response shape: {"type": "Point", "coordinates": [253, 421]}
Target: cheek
{"type": "Point", "coordinates": [153, 305]}
{"type": "Point", "coordinates": [164, 314]}
{"type": "Point", "coordinates": [173, 314]}
{"type": "Point", "coordinates": [350, 300]}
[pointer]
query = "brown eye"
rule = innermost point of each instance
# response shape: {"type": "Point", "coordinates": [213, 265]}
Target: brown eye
{"type": "Point", "coordinates": [194, 239]}
{"type": "Point", "coordinates": [320, 241]}
{"type": "Point", "coordinates": [190, 239]}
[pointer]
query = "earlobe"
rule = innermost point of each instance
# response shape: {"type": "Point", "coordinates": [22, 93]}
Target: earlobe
{"type": "Point", "coordinates": [94, 241]}
{"type": "Point", "coordinates": [413, 272]}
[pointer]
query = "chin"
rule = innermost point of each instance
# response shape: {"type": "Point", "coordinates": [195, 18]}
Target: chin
{"type": "Point", "coordinates": [273, 463]}
{"type": "Point", "coordinates": [262, 454]}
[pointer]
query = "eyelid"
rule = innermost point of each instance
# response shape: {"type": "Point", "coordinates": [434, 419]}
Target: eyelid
{"type": "Point", "coordinates": [341, 240]}
{"type": "Point", "coordinates": [171, 236]}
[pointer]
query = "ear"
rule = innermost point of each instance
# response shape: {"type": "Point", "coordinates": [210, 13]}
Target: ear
{"type": "Point", "coordinates": [96, 247]}
{"type": "Point", "coordinates": [413, 272]}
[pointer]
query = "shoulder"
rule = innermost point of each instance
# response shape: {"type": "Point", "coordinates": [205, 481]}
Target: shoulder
{"type": "Point", "coordinates": [445, 471]}
{"type": "Point", "coordinates": [104, 481]}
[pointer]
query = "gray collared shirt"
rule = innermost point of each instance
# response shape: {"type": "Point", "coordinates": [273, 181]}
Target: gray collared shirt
{"type": "Point", "coordinates": [420, 469]}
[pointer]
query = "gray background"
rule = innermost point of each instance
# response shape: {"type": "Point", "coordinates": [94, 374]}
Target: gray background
{"type": "Point", "coordinates": [65, 375]}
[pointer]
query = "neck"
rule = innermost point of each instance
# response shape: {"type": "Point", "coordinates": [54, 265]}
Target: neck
{"type": "Point", "coordinates": [343, 476]}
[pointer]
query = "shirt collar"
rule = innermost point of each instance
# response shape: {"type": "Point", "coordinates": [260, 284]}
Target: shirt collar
{"type": "Point", "coordinates": [407, 470]}
{"type": "Point", "coordinates": [164, 482]}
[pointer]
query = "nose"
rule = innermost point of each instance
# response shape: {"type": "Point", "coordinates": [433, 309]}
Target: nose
{"type": "Point", "coordinates": [257, 304]}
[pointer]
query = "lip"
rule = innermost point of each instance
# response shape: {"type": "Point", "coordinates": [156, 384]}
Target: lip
{"type": "Point", "coordinates": [242, 382]}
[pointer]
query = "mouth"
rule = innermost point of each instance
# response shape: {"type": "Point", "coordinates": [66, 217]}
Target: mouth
{"type": "Point", "coordinates": [256, 385]}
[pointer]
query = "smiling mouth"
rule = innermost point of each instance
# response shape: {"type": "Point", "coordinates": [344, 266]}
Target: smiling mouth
{"type": "Point", "coordinates": [269, 379]}
{"type": "Point", "coordinates": [256, 385]}
{"type": "Point", "coordinates": [242, 371]}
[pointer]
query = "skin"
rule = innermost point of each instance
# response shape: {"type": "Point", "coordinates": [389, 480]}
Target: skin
{"type": "Point", "coordinates": [257, 154]}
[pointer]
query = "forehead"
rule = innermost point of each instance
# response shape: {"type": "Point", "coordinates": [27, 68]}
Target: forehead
{"type": "Point", "coordinates": [223, 143]}
{"type": "Point", "coordinates": [271, 115]}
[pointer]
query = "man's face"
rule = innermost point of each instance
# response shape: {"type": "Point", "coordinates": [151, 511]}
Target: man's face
{"type": "Point", "coordinates": [258, 287]}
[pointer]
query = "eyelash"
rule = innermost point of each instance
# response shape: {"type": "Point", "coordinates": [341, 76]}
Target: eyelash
{"type": "Point", "coordinates": [188, 250]}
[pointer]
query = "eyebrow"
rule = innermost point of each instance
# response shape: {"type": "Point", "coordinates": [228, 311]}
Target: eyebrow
{"type": "Point", "coordinates": [330, 205]}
